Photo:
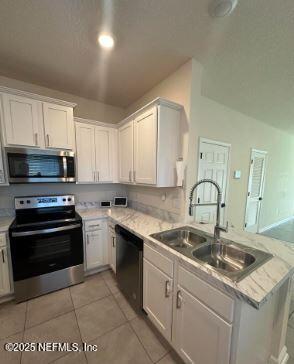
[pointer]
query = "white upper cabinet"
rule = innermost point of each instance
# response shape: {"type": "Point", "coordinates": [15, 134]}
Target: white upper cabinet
{"type": "Point", "coordinates": [95, 153]}
{"type": "Point", "coordinates": [28, 120]}
{"type": "Point", "coordinates": [103, 144]}
{"type": "Point", "coordinates": [145, 130]}
{"type": "Point", "coordinates": [86, 164]}
{"type": "Point", "coordinates": [149, 144]}
{"type": "Point", "coordinates": [58, 126]}
{"type": "Point", "coordinates": [21, 121]}
{"type": "Point", "coordinates": [126, 152]}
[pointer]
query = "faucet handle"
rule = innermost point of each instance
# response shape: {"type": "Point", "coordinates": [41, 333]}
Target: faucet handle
{"type": "Point", "coordinates": [225, 228]}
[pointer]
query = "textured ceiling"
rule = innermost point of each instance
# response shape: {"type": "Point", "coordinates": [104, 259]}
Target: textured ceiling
{"type": "Point", "coordinates": [248, 57]}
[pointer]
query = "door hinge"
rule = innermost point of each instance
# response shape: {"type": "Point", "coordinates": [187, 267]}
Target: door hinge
{"type": "Point", "coordinates": [252, 161]}
{"type": "Point", "coordinates": [245, 224]}
{"type": "Point", "coordinates": [201, 155]}
{"type": "Point", "coordinates": [248, 193]}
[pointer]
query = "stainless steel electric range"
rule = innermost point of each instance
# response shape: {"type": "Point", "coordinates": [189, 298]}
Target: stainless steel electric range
{"type": "Point", "coordinates": [46, 242]}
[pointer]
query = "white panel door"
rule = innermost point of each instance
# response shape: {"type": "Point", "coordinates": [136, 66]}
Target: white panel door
{"type": "Point", "coordinates": [59, 126]}
{"type": "Point", "coordinates": [86, 164]}
{"type": "Point", "coordinates": [126, 152]}
{"type": "Point", "coordinates": [96, 248]}
{"type": "Point", "coordinates": [4, 272]}
{"type": "Point", "coordinates": [157, 298]}
{"type": "Point", "coordinates": [255, 190]}
{"type": "Point", "coordinates": [21, 121]}
{"type": "Point", "coordinates": [213, 164]}
{"type": "Point", "coordinates": [200, 335]}
{"type": "Point", "coordinates": [145, 151]}
{"type": "Point", "coordinates": [103, 148]}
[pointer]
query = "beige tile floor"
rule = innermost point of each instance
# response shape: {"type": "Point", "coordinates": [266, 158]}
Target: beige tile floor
{"type": "Point", "coordinates": [94, 312]}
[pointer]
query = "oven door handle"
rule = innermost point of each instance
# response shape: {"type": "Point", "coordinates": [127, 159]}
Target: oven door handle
{"type": "Point", "coordinates": [45, 231]}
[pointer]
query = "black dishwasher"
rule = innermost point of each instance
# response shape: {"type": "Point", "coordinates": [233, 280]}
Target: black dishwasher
{"type": "Point", "coordinates": [129, 266]}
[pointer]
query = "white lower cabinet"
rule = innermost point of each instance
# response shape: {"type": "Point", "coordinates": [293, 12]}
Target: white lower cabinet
{"type": "Point", "coordinates": [157, 298]}
{"type": "Point", "coordinates": [193, 316]}
{"type": "Point", "coordinates": [96, 252]}
{"type": "Point", "coordinates": [200, 336]}
{"type": "Point", "coordinates": [4, 267]}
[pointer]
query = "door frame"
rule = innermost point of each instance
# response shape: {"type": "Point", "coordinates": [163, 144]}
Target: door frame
{"type": "Point", "coordinates": [254, 150]}
{"type": "Point", "coordinates": [223, 144]}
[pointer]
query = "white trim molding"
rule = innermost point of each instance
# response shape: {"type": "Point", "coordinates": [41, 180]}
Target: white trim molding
{"type": "Point", "coordinates": [275, 224]}
{"type": "Point", "coordinates": [31, 95]}
{"type": "Point", "coordinates": [95, 122]}
{"type": "Point", "coordinates": [282, 359]}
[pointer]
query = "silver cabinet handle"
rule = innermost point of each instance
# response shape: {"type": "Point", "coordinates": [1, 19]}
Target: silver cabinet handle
{"type": "Point", "coordinates": [48, 140]}
{"type": "Point", "coordinates": [3, 256]}
{"type": "Point", "coordinates": [179, 299]}
{"type": "Point", "coordinates": [36, 139]}
{"type": "Point", "coordinates": [113, 244]}
{"type": "Point", "coordinates": [93, 226]}
{"type": "Point", "coordinates": [130, 176]}
{"type": "Point", "coordinates": [167, 288]}
{"type": "Point", "coordinates": [98, 176]}
{"type": "Point", "coordinates": [87, 238]}
{"type": "Point", "coordinates": [134, 176]}
{"type": "Point", "coordinates": [94, 176]}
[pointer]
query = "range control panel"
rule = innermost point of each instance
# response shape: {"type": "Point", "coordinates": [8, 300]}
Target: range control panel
{"type": "Point", "coordinates": [37, 202]}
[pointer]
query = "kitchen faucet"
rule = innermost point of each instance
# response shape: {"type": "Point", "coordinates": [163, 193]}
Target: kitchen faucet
{"type": "Point", "coordinates": [218, 228]}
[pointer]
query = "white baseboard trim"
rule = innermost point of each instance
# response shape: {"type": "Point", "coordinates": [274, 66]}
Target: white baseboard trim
{"type": "Point", "coordinates": [282, 359]}
{"type": "Point", "coordinates": [262, 230]}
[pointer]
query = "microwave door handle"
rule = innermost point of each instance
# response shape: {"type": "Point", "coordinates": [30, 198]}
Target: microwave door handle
{"type": "Point", "coordinates": [64, 159]}
{"type": "Point", "coordinates": [45, 231]}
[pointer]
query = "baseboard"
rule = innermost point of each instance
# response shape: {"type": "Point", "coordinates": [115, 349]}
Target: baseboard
{"type": "Point", "coordinates": [262, 230]}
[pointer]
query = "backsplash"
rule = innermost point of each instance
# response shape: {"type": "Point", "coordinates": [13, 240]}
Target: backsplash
{"type": "Point", "coordinates": [163, 203]}
{"type": "Point", "coordinates": [90, 194]}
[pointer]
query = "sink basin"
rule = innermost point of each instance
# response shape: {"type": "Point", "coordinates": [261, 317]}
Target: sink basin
{"type": "Point", "coordinates": [230, 259]}
{"type": "Point", "coordinates": [225, 257]}
{"type": "Point", "coordinates": [181, 238]}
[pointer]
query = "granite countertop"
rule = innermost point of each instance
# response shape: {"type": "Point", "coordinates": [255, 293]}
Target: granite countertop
{"type": "Point", "coordinates": [93, 213]}
{"type": "Point", "coordinates": [255, 289]}
{"type": "Point", "coordinates": [5, 222]}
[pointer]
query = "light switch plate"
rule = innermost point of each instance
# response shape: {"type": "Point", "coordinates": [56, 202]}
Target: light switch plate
{"type": "Point", "coordinates": [237, 174]}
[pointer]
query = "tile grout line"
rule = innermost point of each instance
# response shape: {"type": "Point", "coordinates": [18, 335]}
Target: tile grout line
{"type": "Point", "coordinates": [24, 328]}
{"type": "Point", "coordinates": [77, 322]}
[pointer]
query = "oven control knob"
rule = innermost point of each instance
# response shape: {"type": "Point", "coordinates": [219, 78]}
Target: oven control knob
{"type": "Point", "coordinates": [21, 202]}
{"type": "Point", "coordinates": [69, 199]}
{"type": "Point", "coordinates": [28, 201]}
{"type": "Point", "coordinates": [64, 199]}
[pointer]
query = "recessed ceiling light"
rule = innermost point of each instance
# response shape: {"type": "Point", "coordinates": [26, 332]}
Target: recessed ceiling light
{"type": "Point", "coordinates": [220, 8]}
{"type": "Point", "coordinates": [106, 41]}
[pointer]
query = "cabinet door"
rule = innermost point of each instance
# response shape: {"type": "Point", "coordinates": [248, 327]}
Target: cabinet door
{"type": "Point", "coordinates": [59, 126]}
{"type": "Point", "coordinates": [145, 153]}
{"type": "Point", "coordinates": [200, 336]}
{"type": "Point", "coordinates": [86, 165]}
{"type": "Point", "coordinates": [2, 172]}
{"type": "Point", "coordinates": [4, 272]}
{"type": "Point", "coordinates": [103, 147]}
{"type": "Point", "coordinates": [96, 248]}
{"type": "Point", "coordinates": [126, 145]}
{"type": "Point", "coordinates": [21, 121]}
{"type": "Point", "coordinates": [157, 298]}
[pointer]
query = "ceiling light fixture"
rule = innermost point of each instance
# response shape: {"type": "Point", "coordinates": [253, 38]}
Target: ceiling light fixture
{"type": "Point", "coordinates": [106, 41]}
{"type": "Point", "coordinates": [220, 8]}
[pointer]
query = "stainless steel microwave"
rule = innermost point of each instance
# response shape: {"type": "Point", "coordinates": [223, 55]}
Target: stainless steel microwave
{"type": "Point", "coordinates": [33, 165]}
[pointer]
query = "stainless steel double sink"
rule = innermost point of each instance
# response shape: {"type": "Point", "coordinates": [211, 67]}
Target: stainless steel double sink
{"type": "Point", "coordinates": [233, 260]}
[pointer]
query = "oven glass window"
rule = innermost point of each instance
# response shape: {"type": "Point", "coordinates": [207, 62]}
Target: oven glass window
{"type": "Point", "coordinates": [49, 248]}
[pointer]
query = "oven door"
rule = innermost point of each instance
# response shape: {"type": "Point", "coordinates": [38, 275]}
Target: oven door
{"type": "Point", "coordinates": [38, 252]}
{"type": "Point", "coordinates": [29, 165]}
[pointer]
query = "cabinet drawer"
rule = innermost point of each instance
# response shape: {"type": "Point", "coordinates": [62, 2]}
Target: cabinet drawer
{"type": "Point", "coordinates": [210, 296]}
{"type": "Point", "coordinates": [160, 261]}
{"type": "Point", "coordinates": [2, 240]}
{"type": "Point", "coordinates": [94, 225]}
